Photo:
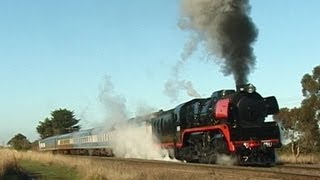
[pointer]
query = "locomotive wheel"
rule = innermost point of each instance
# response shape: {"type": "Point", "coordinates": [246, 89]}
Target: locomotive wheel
{"type": "Point", "coordinates": [209, 158]}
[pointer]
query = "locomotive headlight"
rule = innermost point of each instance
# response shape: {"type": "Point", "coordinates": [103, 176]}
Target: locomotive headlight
{"type": "Point", "coordinates": [251, 88]}
{"type": "Point", "coordinates": [246, 145]}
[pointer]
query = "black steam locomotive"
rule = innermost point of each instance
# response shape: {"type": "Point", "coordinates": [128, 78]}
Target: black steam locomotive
{"type": "Point", "coordinates": [229, 122]}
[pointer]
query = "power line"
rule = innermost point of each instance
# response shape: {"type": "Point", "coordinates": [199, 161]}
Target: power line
{"type": "Point", "coordinates": [290, 101]}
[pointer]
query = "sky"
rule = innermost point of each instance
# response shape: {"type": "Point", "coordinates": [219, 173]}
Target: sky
{"type": "Point", "coordinates": [59, 54]}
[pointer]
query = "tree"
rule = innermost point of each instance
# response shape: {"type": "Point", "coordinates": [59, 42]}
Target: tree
{"type": "Point", "coordinates": [62, 121]}
{"type": "Point", "coordinates": [302, 124]}
{"type": "Point", "coordinates": [290, 119]}
{"type": "Point", "coordinates": [35, 145]}
{"type": "Point", "coordinates": [310, 111]}
{"type": "Point", "coordinates": [45, 128]}
{"type": "Point", "coordinates": [19, 142]}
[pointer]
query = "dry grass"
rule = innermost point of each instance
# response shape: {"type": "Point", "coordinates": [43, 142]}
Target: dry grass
{"type": "Point", "coordinates": [93, 169]}
{"type": "Point", "coordinates": [8, 161]}
{"type": "Point", "coordinates": [302, 159]}
{"type": "Point", "coordinates": [89, 169]}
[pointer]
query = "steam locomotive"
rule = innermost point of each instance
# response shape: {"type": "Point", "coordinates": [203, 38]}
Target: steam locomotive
{"type": "Point", "coordinates": [230, 122]}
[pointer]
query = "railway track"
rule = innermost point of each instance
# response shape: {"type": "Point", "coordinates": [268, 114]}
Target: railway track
{"type": "Point", "coordinates": [219, 171]}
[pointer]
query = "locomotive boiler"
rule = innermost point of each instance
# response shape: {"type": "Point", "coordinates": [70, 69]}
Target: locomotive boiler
{"type": "Point", "coordinates": [230, 122]}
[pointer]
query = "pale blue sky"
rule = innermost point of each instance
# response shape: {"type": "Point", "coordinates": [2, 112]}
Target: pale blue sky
{"type": "Point", "coordinates": [56, 54]}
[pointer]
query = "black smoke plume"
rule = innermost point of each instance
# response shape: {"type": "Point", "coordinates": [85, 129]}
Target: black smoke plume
{"type": "Point", "coordinates": [227, 32]}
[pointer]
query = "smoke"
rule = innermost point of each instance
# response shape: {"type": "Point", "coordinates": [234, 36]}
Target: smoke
{"type": "Point", "coordinates": [136, 141]}
{"type": "Point", "coordinates": [130, 139]}
{"type": "Point", "coordinates": [115, 105]}
{"type": "Point", "coordinates": [226, 30]}
{"type": "Point", "coordinates": [174, 85]}
{"type": "Point", "coordinates": [144, 109]}
{"type": "Point", "coordinates": [226, 159]}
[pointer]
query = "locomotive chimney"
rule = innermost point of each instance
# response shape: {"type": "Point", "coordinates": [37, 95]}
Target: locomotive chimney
{"type": "Point", "coordinates": [240, 87]}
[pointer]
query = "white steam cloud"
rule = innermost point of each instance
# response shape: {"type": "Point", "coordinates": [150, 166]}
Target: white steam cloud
{"type": "Point", "coordinates": [132, 141]}
{"type": "Point", "coordinates": [114, 104]}
{"type": "Point", "coordinates": [129, 139]}
{"type": "Point", "coordinates": [226, 159]}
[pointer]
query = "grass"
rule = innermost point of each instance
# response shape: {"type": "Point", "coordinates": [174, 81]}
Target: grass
{"type": "Point", "coordinates": [87, 169]}
{"type": "Point", "coordinates": [48, 171]}
{"type": "Point", "coordinates": [48, 166]}
{"type": "Point", "coordinates": [20, 165]}
{"type": "Point", "coordinates": [302, 159]}
{"type": "Point", "coordinates": [8, 161]}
